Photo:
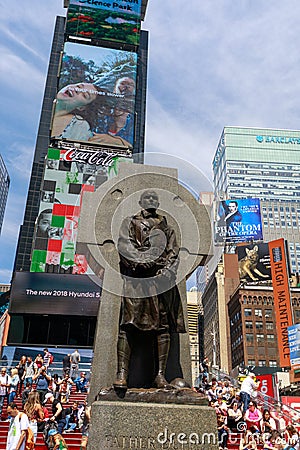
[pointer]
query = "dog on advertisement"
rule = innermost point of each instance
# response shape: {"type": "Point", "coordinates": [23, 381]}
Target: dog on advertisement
{"type": "Point", "coordinates": [248, 265]}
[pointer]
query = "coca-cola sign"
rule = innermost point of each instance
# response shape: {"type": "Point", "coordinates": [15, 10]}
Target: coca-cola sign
{"type": "Point", "coordinates": [98, 158]}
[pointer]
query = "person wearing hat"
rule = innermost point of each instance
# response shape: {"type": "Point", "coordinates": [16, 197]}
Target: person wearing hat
{"type": "Point", "coordinates": [58, 413]}
{"type": "Point", "coordinates": [248, 387]}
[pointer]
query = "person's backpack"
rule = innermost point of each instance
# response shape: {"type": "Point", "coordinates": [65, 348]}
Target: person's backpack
{"type": "Point", "coordinates": [51, 359]}
{"type": "Point", "coordinates": [29, 444]}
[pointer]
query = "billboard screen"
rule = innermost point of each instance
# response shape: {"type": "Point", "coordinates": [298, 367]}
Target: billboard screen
{"type": "Point", "coordinates": [294, 344]}
{"type": "Point", "coordinates": [41, 292]}
{"type": "Point", "coordinates": [68, 172]}
{"type": "Point", "coordinates": [282, 298]}
{"type": "Point", "coordinates": [238, 220]}
{"type": "Point", "coordinates": [254, 262]}
{"type": "Point", "coordinates": [109, 21]}
{"type": "Point", "coordinates": [96, 96]}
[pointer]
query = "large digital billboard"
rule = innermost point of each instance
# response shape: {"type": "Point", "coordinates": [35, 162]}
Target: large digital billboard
{"type": "Point", "coordinates": [96, 96]}
{"type": "Point", "coordinates": [110, 21]}
{"type": "Point", "coordinates": [254, 262]}
{"type": "Point", "coordinates": [41, 292]}
{"type": "Point", "coordinates": [238, 220]}
{"type": "Point", "coordinates": [69, 171]}
{"type": "Point", "coordinates": [294, 344]}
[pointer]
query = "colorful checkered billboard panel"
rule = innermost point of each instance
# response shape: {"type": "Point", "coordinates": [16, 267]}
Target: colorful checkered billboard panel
{"type": "Point", "coordinates": [68, 173]}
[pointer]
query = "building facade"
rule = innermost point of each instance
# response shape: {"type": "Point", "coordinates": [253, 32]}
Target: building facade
{"type": "Point", "coordinates": [57, 181]}
{"type": "Point", "coordinates": [253, 326]}
{"type": "Point", "coordinates": [4, 287]}
{"type": "Point", "coordinates": [222, 283]}
{"type": "Point", "coordinates": [193, 312]}
{"type": "Point", "coordinates": [4, 186]}
{"type": "Point", "coordinates": [265, 164]}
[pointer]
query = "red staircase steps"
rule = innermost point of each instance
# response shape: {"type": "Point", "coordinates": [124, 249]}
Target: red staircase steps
{"type": "Point", "coordinates": [72, 439]}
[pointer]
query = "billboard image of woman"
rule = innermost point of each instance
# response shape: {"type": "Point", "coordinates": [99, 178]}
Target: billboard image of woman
{"type": "Point", "coordinates": [96, 96]}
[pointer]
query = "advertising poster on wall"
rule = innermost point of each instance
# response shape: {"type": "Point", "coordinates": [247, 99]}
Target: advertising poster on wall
{"type": "Point", "coordinates": [266, 386]}
{"type": "Point", "coordinates": [282, 298]}
{"type": "Point", "coordinates": [95, 102]}
{"type": "Point", "coordinates": [110, 21]}
{"type": "Point", "coordinates": [294, 344]}
{"type": "Point", "coordinates": [254, 262]}
{"type": "Point", "coordinates": [237, 221]}
{"type": "Point", "coordinates": [68, 173]}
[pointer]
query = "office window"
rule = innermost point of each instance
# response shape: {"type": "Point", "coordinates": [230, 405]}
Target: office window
{"type": "Point", "coordinates": [258, 312]}
{"type": "Point", "coordinates": [270, 337]}
{"type": "Point", "coordinates": [249, 338]}
{"type": "Point", "coordinates": [268, 313]}
{"type": "Point", "coordinates": [262, 363]}
{"type": "Point", "coordinates": [260, 338]}
{"type": "Point", "coordinates": [248, 324]}
{"type": "Point", "coordinates": [248, 312]}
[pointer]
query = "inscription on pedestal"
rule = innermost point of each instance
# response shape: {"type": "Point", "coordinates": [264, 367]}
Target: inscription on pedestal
{"type": "Point", "coordinates": [163, 440]}
{"type": "Point", "coordinates": [123, 425]}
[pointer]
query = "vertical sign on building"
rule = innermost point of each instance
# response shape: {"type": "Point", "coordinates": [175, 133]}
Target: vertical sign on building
{"type": "Point", "coordinates": [282, 299]}
{"type": "Point", "coordinates": [294, 343]}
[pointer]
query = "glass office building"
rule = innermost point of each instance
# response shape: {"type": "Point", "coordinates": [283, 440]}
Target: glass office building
{"type": "Point", "coordinates": [263, 163]}
{"type": "Point", "coordinates": [4, 186]}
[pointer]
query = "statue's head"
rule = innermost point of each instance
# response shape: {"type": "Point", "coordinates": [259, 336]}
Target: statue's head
{"type": "Point", "coordinates": [149, 200]}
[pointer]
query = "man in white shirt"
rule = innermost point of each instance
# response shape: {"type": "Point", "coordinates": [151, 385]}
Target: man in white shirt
{"type": "Point", "coordinates": [247, 389]}
{"type": "Point", "coordinates": [16, 436]}
{"type": "Point", "coordinates": [5, 381]}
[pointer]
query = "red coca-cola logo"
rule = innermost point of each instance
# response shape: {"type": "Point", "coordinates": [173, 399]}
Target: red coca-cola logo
{"type": "Point", "coordinates": [98, 158]}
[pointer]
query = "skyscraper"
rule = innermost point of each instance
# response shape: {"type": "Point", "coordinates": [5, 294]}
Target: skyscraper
{"type": "Point", "coordinates": [101, 72]}
{"type": "Point", "coordinates": [265, 164]}
{"type": "Point", "coordinates": [4, 186]}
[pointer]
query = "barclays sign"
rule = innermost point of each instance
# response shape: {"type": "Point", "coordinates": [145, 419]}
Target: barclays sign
{"type": "Point", "coordinates": [278, 139]}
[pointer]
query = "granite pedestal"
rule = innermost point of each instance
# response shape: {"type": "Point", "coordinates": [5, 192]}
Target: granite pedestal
{"type": "Point", "coordinates": [125, 425]}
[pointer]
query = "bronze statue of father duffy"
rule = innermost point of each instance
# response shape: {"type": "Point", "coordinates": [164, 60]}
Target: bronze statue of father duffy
{"type": "Point", "coordinates": [151, 302]}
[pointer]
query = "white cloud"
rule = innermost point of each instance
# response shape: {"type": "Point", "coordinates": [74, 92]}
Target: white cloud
{"type": "Point", "coordinates": [18, 74]}
{"type": "Point", "coordinates": [20, 42]}
{"type": "Point", "coordinates": [19, 161]}
{"type": "Point", "coordinates": [5, 276]}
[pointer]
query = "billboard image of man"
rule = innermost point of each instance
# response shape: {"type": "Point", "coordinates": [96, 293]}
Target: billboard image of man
{"type": "Point", "coordinates": [238, 220]}
{"type": "Point", "coordinates": [44, 228]}
{"type": "Point", "coordinates": [231, 212]}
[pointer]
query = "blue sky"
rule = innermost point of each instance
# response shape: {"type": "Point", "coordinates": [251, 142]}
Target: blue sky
{"type": "Point", "coordinates": [211, 64]}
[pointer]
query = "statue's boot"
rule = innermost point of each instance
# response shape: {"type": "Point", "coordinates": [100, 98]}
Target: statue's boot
{"type": "Point", "coordinates": [123, 351]}
{"type": "Point", "coordinates": [163, 346]}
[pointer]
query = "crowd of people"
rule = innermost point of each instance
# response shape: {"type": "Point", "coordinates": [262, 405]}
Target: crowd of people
{"type": "Point", "coordinates": [262, 425]}
{"type": "Point", "coordinates": [40, 392]}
